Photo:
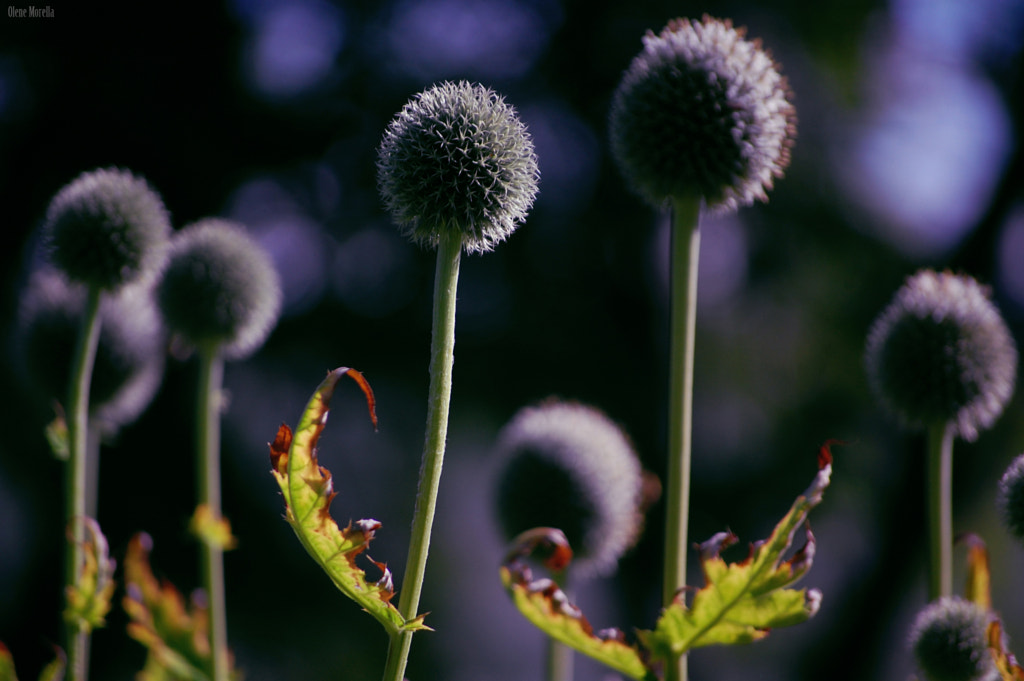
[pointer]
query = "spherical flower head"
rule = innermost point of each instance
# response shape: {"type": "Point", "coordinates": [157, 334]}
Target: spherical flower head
{"type": "Point", "coordinates": [129, 360]}
{"type": "Point", "coordinates": [1011, 498]}
{"type": "Point", "coordinates": [949, 642]}
{"type": "Point", "coordinates": [107, 228]}
{"type": "Point", "coordinates": [941, 353]}
{"type": "Point", "coordinates": [219, 289]}
{"type": "Point", "coordinates": [458, 161]}
{"type": "Point", "coordinates": [567, 465]}
{"type": "Point", "coordinates": [702, 113]}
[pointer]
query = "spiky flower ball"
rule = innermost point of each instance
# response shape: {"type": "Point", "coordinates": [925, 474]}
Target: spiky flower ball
{"type": "Point", "coordinates": [567, 465]}
{"type": "Point", "coordinates": [107, 228]}
{"type": "Point", "coordinates": [1011, 497]}
{"type": "Point", "coordinates": [941, 353]}
{"type": "Point", "coordinates": [220, 288]}
{"type": "Point", "coordinates": [129, 357]}
{"type": "Point", "coordinates": [949, 643]}
{"type": "Point", "coordinates": [702, 113]}
{"type": "Point", "coordinates": [457, 160]}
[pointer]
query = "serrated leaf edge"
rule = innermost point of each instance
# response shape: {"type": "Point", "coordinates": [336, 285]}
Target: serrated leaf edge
{"type": "Point", "coordinates": [373, 596]}
{"type": "Point", "coordinates": [543, 603]}
{"type": "Point", "coordinates": [777, 543]}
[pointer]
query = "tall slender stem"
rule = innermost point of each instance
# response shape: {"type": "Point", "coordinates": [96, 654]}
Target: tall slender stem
{"type": "Point", "coordinates": [940, 511]}
{"type": "Point", "coordinates": [442, 356]}
{"type": "Point", "coordinates": [94, 440]}
{"type": "Point", "coordinates": [559, 656]}
{"type": "Point", "coordinates": [211, 381]}
{"type": "Point", "coordinates": [77, 467]}
{"type": "Point", "coordinates": [685, 254]}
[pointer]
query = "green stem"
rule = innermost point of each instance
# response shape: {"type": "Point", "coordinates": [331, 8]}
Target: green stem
{"type": "Point", "coordinates": [92, 472]}
{"type": "Point", "coordinates": [211, 381]}
{"type": "Point", "coordinates": [559, 656]}
{"type": "Point", "coordinates": [685, 254]}
{"type": "Point", "coordinates": [442, 356]}
{"type": "Point", "coordinates": [78, 427]}
{"type": "Point", "coordinates": [940, 511]}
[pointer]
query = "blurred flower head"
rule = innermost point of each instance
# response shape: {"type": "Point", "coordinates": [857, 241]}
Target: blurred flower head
{"type": "Point", "coordinates": [130, 354]}
{"type": "Point", "coordinates": [567, 465]}
{"type": "Point", "coordinates": [941, 353]}
{"type": "Point", "coordinates": [949, 643]}
{"type": "Point", "coordinates": [457, 160]}
{"type": "Point", "coordinates": [1011, 498]}
{"type": "Point", "coordinates": [107, 228]}
{"type": "Point", "coordinates": [220, 288]}
{"type": "Point", "coordinates": [702, 113]}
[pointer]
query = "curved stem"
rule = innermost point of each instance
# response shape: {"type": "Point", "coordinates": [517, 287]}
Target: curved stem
{"type": "Point", "coordinates": [78, 427]}
{"type": "Point", "coordinates": [940, 511]}
{"type": "Point", "coordinates": [442, 356]}
{"type": "Point", "coordinates": [685, 254]}
{"type": "Point", "coordinates": [211, 381]}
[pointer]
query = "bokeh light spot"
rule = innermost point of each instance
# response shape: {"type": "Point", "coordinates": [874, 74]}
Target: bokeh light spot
{"type": "Point", "coordinates": [293, 46]}
{"type": "Point", "coordinates": [928, 156]}
{"type": "Point", "coordinates": [372, 272]}
{"type": "Point", "coordinates": [434, 39]}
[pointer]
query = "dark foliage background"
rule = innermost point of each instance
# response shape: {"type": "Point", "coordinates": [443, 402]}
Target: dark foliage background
{"type": "Point", "coordinates": [909, 155]}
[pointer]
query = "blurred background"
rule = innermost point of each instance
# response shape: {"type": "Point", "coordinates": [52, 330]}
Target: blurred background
{"type": "Point", "coordinates": [270, 113]}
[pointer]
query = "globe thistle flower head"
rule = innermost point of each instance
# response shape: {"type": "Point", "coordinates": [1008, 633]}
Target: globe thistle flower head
{"type": "Point", "coordinates": [948, 640]}
{"type": "Point", "coordinates": [567, 465]}
{"type": "Point", "coordinates": [702, 113]}
{"type": "Point", "coordinates": [1011, 498]}
{"type": "Point", "coordinates": [219, 288]}
{"type": "Point", "coordinates": [129, 360]}
{"type": "Point", "coordinates": [941, 353]}
{"type": "Point", "coordinates": [107, 228]}
{"type": "Point", "coordinates": [457, 160]}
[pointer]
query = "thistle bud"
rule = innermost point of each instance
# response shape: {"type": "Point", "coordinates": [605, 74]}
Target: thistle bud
{"type": "Point", "coordinates": [702, 113]}
{"type": "Point", "coordinates": [948, 640]}
{"type": "Point", "coordinates": [107, 228]}
{"type": "Point", "coordinates": [219, 289]}
{"type": "Point", "coordinates": [941, 353]}
{"type": "Point", "coordinates": [457, 160]}
{"type": "Point", "coordinates": [567, 465]}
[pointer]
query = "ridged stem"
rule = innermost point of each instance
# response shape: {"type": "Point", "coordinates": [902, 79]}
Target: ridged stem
{"type": "Point", "coordinates": [442, 356]}
{"type": "Point", "coordinates": [208, 401]}
{"type": "Point", "coordinates": [77, 643]}
{"type": "Point", "coordinates": [940, 511]}
{"type": "Point", "coordinates": [685, 254]}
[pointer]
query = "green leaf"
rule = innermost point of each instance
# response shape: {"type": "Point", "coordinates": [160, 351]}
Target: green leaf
{"type": "Point", "coordinates": [51, 672]}
{"type": "Point", "coordinates": [176, 638]}
{"type": "Point", "coordinates": [56, 433]}
{"type": "Point", "coordinates": [979, 578]}
{"type": "Point", "coordinates": [741, 602]}
{"type": "Point", "coordinates": [6, 665]}
{"type": "Point", "coordinates": [549, 609]}
{"type": "Point", "coordinates": [308, 491]}
{"type": "Point", "coordinates": [55, 670]}
{"type": "Point", "coordinates": [89, 597]}
{"type": "Point", "coordinates": [1004, 660]}
{"type": "Point", "coordinates": [213, 531]}
{"type": "Point", "coordinates": [979, 592]}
